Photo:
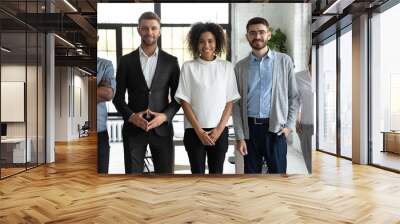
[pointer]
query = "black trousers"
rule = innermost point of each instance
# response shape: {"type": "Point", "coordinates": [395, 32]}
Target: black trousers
{"type": "Point", "coordinates": [103, 152]}
{"type": "Point", "coordinates": [161, 148]}
{"type": "Point", "coordinates": [197, 152]}
{"type": "Point", "coordinates": [265, 146]}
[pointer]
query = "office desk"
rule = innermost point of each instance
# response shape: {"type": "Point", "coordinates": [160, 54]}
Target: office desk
{"type": "Point", "coordinates": [13, 150]}
{"type": "Point", "coordinates": [391, 141]}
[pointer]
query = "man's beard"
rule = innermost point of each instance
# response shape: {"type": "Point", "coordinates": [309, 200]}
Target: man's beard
{"type": "Point", "coordinates": [149, 42]}
{"type": "Point", "coordinates": [256, 47]}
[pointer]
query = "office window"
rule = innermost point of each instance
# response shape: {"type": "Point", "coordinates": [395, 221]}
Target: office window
{"type": "Point", "coordinates": [122, 12]}
{"type": "Point", "coordinates": [327, 96]}
{"type": "Point", "coordinates": [106, 46]}
{"type": "Point", "coordinates": [130, 39]}
{"type": "Point", "coordinates": [107, 49]}
{"type": "Point", "coordinates": [385, 89]}
{"type": "Point", "coordinates": [346, 94]}
{"type": "Point", "coordinates": [189, 13]}
{"type": "Point", "coordinates": [174, 42]}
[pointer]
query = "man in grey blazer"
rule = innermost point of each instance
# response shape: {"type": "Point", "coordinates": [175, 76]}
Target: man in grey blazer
{"type": "Point", "coordinates": [266, 113]}
{"type": "Point", "coordinates": [151, 77]}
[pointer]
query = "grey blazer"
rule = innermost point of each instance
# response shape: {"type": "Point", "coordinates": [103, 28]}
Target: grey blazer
{"type": "Point", "coordinates": [284, 99]}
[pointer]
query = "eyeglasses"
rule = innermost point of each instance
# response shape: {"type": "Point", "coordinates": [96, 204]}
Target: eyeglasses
{"type": "Point", "coordinates": [254, 33]}
{"type": "Point", "coordinates": [145, 28]}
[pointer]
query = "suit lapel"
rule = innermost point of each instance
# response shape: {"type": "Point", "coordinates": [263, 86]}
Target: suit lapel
{"type": "Point", "coordinates": [158, 69]}
{"type": "Point", "coordinates": [138, 67]}
{"type": "Point", "coordinates": [246, 75]}
{"type": "Point", "coordinates": [274, 78]}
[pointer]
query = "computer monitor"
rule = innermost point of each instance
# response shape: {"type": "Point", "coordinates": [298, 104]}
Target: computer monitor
{"type": "Point", "coordinates": [3, 129]}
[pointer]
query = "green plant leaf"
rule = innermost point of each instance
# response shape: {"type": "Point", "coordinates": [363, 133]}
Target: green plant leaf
{"type": "Point", "coordinates": [277, 41]}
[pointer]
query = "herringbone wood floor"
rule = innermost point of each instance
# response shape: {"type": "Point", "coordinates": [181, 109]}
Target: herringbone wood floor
{"type": "Point", "coordinates": [70, 191]}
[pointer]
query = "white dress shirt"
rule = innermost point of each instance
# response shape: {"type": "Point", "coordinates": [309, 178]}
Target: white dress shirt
{"type": "Point", "coordinates": [207, 86]}
{"type": "Point", "coordinates": [149, 64]}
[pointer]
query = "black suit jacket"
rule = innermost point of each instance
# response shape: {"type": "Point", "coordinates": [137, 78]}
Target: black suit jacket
{"type": "Point", "coordinates": [165, 81]}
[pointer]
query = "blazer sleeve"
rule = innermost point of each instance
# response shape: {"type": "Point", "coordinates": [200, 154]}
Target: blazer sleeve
{"type": "Point", "coordinates": [173, 106]}
{"type": "Point", "coordinates": [236, 111]}
{"type": "Point", "coordinates": [293, 97]}
{"type": "Point", "coordinates": [119, 98]}
{"type": "Point", "coordinates": [232, 93]}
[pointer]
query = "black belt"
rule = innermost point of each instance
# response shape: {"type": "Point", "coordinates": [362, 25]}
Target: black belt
{"type": "Point", "coordinates": [259, 121]}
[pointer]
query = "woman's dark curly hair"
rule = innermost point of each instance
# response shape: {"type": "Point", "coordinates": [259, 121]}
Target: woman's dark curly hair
{"type": "Point", "coordinates": [195, 32]}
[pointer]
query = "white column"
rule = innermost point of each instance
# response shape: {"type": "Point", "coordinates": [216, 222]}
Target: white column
{"type": "Point", "coordinates": [50, 101]}
{"type": "Point", "coordinates": [360, 90]}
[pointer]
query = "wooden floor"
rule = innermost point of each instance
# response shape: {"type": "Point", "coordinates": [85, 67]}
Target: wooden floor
{"type": "Point", "coordinates": [70, 191]}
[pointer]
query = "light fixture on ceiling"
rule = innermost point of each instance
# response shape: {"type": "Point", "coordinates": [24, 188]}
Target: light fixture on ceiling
{"type": "Point", "coordinates": [337, 7]}
{"type": "Point", "coordinates": [5, 50]}
{"type": "Point", "coordinates": [84, 71]}
{"type": "Point", "coordinates": [64, 40]}
{"type": "Point", "coordinates": [70, 5]}
{"type": "Point", "coordinates": [79, 51]}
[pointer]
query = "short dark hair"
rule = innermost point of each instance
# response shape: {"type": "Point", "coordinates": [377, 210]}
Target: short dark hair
{"type": "Point", "coordinates": [257, 20]}
{"type": "Point", "coordinates": [195, 32]}
{"type": "Point", "coordinates": [149, 15]}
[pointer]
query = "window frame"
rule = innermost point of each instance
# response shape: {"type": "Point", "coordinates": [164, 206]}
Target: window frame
{"type": "Point", "coordinates": [334, 37]}
{"type": "Point", "coordinates": [157, 9]}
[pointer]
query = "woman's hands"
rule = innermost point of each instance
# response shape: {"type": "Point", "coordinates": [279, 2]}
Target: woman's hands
{"type": "Point", "coordinates": [210, 137]}
{"type": "Point", "coordinates": [204, 137]}
{"type": "Point", "coordinates": [216, 133]}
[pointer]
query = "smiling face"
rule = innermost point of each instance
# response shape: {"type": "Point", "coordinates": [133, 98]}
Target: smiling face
{"type": "Point", "coordinates": [258, 36]}
{"type": "Point", "coordinates": [207, 44]}
{"type": "Point", "coordinates": [149, 31]}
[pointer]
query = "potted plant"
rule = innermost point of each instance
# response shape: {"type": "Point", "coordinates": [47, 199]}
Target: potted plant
{"type": "Point", "coordinates": [277, 41]}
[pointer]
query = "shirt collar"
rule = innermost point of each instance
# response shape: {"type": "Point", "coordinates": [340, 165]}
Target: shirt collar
{"type": "Point", "coordinates": [141, 51]}
{"type": "Point", "coordinates": [207, 62]}
{"type": "Point", "coordinates": [269, 55]}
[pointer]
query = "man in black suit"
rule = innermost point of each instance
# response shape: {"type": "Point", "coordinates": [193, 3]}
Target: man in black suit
{"type": "Point", "coordinates": [151, 78]}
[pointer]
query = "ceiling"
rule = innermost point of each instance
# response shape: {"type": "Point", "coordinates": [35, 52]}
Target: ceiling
{"type": "Point", "coordinates": [331, 15]}
{"type": "Point", "coordinates": [74, 21]}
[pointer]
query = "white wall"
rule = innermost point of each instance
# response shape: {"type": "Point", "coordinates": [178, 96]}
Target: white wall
{"type": "Point", "coordinates": [16, 73]}
{"type": "Point", "coordinates": [69, 85]}
{"type": "Point", "coordinates": [293, 19]}
{"type": "Point", "coordinates": [33, 126]}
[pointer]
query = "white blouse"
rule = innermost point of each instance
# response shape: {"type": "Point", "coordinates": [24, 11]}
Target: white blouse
{"type": "Point", "coordinates": [207, 86]}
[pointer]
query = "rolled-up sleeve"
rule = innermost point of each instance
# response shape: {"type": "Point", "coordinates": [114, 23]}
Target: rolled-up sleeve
{"type": "Point", "coordinates": [109, 77]}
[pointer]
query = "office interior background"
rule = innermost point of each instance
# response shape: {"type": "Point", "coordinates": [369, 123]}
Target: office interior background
{"type": "Point", "coordinates": [47, 80]}
{"type": "Point", "coordinates": [355, 159]}
{"type": "Point", "coordinates": [332, 64]}
{"type": "Point", "coordinates": [117, 28]}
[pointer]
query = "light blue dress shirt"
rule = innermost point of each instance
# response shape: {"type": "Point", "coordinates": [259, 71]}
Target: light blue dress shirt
{"type": "Point", "coordinates": [260, 85]}
{"type": "Point", "coordinates": [105, 73]}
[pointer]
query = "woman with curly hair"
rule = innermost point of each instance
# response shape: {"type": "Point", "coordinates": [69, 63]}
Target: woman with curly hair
{"type": "Point", "coordinates": [207, 90]}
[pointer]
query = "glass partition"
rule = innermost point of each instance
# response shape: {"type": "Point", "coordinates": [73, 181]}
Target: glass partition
{"type": "Point", "coordinates": [13, 95]}
{"type": "Point", "coordinates": [22, 63]}
{"type": "Point", "coordinates": [346, 94]}
{"type": "Point", "coordinates": [385, 89]}
{"type": "Point", "coordinates": [327, 97]}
